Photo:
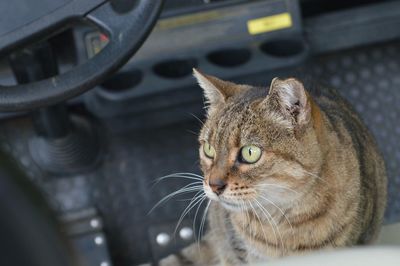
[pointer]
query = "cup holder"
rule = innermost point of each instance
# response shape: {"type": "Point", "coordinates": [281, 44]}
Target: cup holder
{"type": "Point", "coordinates": [229, 57]}
{"type": "Point", "coordinates": [174, 69]}
{"type": "Point", "coordinates": [283, 48]}
{"type": "Point", "coordinates": [123, 81]}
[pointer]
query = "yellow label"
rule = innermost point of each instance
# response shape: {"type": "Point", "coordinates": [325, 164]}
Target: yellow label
{"type": "Point", "coordinates": [270, 23]}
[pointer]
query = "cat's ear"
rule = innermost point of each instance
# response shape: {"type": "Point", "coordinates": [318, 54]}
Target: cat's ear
{"type": "Point", "coordinates": [216, 91]}
{"type": "Point", "coordinates": [289, 98]}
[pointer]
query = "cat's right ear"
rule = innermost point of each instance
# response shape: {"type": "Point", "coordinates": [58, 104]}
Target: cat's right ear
{"type": "Point", "coordinates": [216, 91]}
{"type": "Point", "coordinates": [289, 99]}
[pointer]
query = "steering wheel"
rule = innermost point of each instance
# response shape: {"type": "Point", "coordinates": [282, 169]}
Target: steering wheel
{"type": "Point", "coordinates": [126, 32]}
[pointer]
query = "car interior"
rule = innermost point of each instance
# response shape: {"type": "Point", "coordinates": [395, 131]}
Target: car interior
{"type": "Point", "coordinates": [97, 101]}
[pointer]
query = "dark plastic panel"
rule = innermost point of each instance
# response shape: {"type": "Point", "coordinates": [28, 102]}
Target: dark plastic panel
{"type": "Point", "coordinates": [20, 13]}
{"type": "Point", "coordinates": [267, 53]}
{"type": "Point", "coordinates": [22, 21]}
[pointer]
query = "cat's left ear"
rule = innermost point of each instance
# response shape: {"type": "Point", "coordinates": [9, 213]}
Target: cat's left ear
{"type": "Point", "coordinates": [216, 91]}
{"type": "Point", "coordinates": [289, 98]}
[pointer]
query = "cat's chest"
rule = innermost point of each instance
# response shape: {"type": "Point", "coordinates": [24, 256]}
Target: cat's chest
{"type": "Point", "coordinates": [244, 249]}
{"type": "Point", "coordinates": [253, 253]}
{"type": "Point", "coordinates": [228, 231]}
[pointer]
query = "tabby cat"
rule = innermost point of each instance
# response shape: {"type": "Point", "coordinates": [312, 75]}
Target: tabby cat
{"type": "Point", "coordinates": [288, 170]}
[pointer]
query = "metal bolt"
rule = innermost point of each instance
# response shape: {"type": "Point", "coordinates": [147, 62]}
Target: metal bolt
{"type": "Point", "coordinates": [98, 240]}
{"type": "Point", "coordinates": [163, 239]}
{"type": "Point", "coordinates": [186, 233]}
{"type": "Point", "coordinates": [94, 223]}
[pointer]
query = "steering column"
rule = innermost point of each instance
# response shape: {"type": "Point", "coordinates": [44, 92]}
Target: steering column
{"type": "Point", "coordinates": [61, 144]}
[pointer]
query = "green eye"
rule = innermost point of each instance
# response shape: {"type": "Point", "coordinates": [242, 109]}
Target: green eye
{"type": "Point", "coordinates": [250, 154]}
{"type": "Point", "coordinates": [209, 150]}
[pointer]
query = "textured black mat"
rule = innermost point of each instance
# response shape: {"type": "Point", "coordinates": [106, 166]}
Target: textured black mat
{"type": "Point", "coordinates": [370, 79]}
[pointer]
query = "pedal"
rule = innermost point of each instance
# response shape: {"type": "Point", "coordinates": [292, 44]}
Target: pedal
{"type": "Point", "coordinates": [165, 240]}
{"type": "Point", "coordinates": [85, 230]}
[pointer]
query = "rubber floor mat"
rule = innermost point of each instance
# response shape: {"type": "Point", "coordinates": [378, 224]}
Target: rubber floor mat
{"type": "Point", "coordinates": [369, 78]}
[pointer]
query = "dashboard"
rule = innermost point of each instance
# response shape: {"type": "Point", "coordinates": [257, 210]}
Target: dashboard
{"type": "Point", "coordinates": [233, 39]}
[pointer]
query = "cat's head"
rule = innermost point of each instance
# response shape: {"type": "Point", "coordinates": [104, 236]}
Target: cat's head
{"type": "Point", "coordinates": [257, 145]}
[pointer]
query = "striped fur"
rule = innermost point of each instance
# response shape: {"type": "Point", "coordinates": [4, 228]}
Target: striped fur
{"type": "Point", "coordinates": [320, 166]}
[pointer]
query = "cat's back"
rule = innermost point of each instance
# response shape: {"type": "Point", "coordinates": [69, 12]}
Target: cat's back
{"type": "Point", "coordinates": [347, 124]}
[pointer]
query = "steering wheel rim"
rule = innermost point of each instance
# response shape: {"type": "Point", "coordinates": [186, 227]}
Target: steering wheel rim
{"type": "Point", "coordinates": [126, 33]}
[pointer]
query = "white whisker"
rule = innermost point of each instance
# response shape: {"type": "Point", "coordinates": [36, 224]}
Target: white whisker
{"type": "Point", "coordinates": [271, 219]}
{"type": "Point", "coordinates": [259, 220]}
{"type": "Point", "coordinates": [198, 119]}
{"type": "Point", "coordinates": [191, 205]}
{"type": "Point", "coordinates": [280, 210]}
{"type": "Point", "coordinates": [276, 185]}
{"type": "Point", "coordinates": [203, 220]}
{"type": "Point", "coordinates": [194, 219]}
{"type": "Point", "coordinates": [183, 175]}
{"type": "Point", "coordinates": [316, 176]}
{"type": "Point", "coordinates": [186, 189]}
{"type": "Point", "coordinates": [249, 220]}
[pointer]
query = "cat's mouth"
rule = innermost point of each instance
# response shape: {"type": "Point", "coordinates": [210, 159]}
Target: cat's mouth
{"type": "Point", "coordinates": [227, 203]}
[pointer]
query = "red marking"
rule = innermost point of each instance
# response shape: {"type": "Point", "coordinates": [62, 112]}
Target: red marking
{"type": "Point", "coordinates": [103, 38]}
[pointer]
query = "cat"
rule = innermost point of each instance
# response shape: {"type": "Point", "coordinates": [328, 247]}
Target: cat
{"type": "Point", "coordinates": [288, 170]}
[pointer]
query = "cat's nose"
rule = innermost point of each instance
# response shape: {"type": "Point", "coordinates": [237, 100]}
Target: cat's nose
{"type": "Point", "coordinates": [217, 185]}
